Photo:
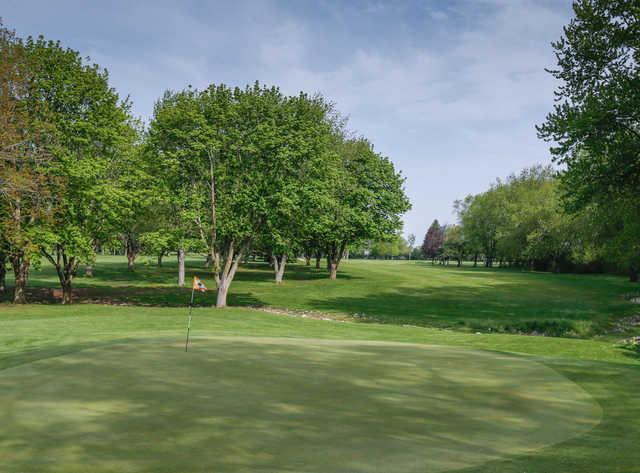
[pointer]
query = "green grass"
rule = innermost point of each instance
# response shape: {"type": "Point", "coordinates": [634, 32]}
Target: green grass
{"type": "Point", "coordinates": [295, 405]}
{"type": "Point", "coordinates": [397, 292]}
{"type": "Point", "coordinates": [93, 387]}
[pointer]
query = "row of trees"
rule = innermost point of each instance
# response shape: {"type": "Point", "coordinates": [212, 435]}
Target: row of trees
{"type": "Point", "coordinates": [395, 247]}
{"type": "Point", "coordinates": [524, 221]}
{"type": "Point", "coordinates": [226, 171]}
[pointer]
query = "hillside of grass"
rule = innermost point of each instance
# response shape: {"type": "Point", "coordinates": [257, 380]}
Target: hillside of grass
{"type": "Point", "coordinates": [390, 292]}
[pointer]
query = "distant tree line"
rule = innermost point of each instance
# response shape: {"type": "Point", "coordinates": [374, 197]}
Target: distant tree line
{"type": "Point", "coordinates": [523, 222]}
{"type": "Point", "coordinates": [223, 171]}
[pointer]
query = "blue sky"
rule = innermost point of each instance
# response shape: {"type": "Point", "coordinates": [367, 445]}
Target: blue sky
{"type": "Point", "coordinates": [449, 90]}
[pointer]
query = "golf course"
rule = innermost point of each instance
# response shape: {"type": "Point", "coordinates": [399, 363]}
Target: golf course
{"type": "Point", "coordinates": [318, 387]}
{"type": "Point", "coordinates": [272, 236]}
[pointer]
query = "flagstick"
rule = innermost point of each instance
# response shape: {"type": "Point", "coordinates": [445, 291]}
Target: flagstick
{"type": "Point", "coordinates": [186, 345]}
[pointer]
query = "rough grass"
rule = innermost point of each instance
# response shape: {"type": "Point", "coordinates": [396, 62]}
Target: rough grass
{"type": "Point", "coordinates": [397, 292]}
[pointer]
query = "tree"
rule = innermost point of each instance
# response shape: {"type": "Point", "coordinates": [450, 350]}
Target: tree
{"type": "Point", "coordinates": [433, 240]}
{"type": "Point", "coordinates": [237, 155]}
{"type": "Point", "coordinates": [175, 142]}
{"type": "Point", "coordinates": [91, 127]}
{"type": "Point", "coordinates": [137, 198]}
{"type": "Point", "coordinates": [595, 123]}
{"type": "Point", "coordinates": [25, 181]}
{"type": "Point", "coordinates": [158, 243]}
{"type": "Point", "coordinates": [483, 216]}
{"type": "Point", "coordinates": [367, 200]}
{"type": "Point", "coordinates": [611, 231]}
{"type": "Point", "coordinates": [411, 241]}
{"type": "Point", "coordinates": [295, 178]}
{"type": "Point", "coordinates": [454, 245]}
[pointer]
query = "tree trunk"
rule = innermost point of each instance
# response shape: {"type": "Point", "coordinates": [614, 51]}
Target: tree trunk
{"type": "Point", "coordinates": [334, 255]}
{"type": "Point", "coordinates": [307, 260]}
{"type": "Point", "coordinates": [88, 271]}
{"type": "Point", "coordinates": [475, 260]}
{"type": "Point", "coordinates": [66, 268]}
{"type": "Point", "coordinates": [66, 278]}
{"type": "Point", "coordinates": [318, 259]}
{"type": "Point", "coordinates": [160, 256]}
{"type": "Point", "coordinates": [221, 299]}
{"type": "Point", "coordinates": [279, 268]}
{"type": "Point", "coordinates": [21, 274]}
{"type": "Point", "coordinates": [3, 272]}
{"type": "Point", "coordinates": [226, 274]}
{"type": "Point", "coordinates": [181, 260]}
{"type": "Point", "coordinates": [131, 259]}
{"type": "Point", "coordinates": [333, 271]}
{"type": "Point", "coordinates": [132, 250]}
{"type": "Point", "coordinates": [66, 292]}
{"type": "Point", "coordinates": [633, 274]}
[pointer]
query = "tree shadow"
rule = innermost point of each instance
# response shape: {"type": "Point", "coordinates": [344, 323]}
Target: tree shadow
{"type": "Point", "coordinates": [150, 285]}
{"type": "Point", "coordinates": [231, 406]}
{"type": "Point", "coordinates": [487, 308]}
{"type": "Point", "coordinates": [262, 272]}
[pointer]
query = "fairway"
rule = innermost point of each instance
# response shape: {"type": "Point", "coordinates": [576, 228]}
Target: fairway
{"type": "Point", "coordinates": [275, 404]}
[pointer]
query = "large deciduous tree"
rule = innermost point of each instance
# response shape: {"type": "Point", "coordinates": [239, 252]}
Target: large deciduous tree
{"type": "Point", "coordinates": [92, 128]}
{"type": "Point", "coordinates": [222, 152]}
{"type": "Point", "coordinates": [367, 199]}
{"type": "Point", "coordinates": [26, 182]}
{"type": "Point", "coordinates": [595, 124]}
{"type": "Point", "coordinates": [295, 179]}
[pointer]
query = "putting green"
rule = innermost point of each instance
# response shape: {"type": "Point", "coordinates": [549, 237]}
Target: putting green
{"type": "Point", "coordinates": [281, 405]}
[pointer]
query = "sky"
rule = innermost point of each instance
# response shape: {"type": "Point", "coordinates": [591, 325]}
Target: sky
{"type": "Point", "coordinates": [449, 90]}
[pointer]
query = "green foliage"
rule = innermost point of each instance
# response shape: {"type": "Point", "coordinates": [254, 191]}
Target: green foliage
{"type": "Point", "coordinates": [251, 168]}
{"type": "Point", "coordinates": [390, 248]}
{"type": "Point", "coordinates": [91, 130]}
{"type": "Point", "coordinates": [520, 221]}
{"type": "Point", "coordinates": [595, 123]}
{"type": "Point", "coordinates": [454, 245]}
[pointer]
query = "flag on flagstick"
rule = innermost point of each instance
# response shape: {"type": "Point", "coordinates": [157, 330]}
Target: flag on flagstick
{"type": "Point", "coordinates": [200, 287]}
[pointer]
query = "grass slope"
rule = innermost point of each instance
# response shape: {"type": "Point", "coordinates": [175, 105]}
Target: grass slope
{"type": "Point", "coordinates": [399, 292]}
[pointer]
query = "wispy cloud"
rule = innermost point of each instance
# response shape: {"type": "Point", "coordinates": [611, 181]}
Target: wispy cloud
{"type": "Point", "coordinates": [450, 90]}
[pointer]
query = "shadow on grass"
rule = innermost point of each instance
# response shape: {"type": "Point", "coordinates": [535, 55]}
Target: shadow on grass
{"type": "Point", "coordinates": [631, 351]}
{"type": "Point", "coordinates": [262, 272]}
{"type": "Point", "coordinates": [150, 285]}
{"type": "Point", "coordinates": [330, 407]}
{"type": "Point", "coordinates": [614, 387]}
{"type": "Point", "coordinates": [487, 308]}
